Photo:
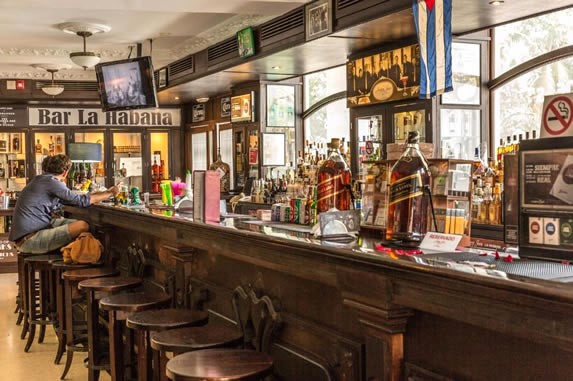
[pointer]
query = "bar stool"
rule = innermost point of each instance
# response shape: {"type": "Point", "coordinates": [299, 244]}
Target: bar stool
{"type": "Point", "coordinates": [76, 340]}
{"type": "Point", "coordinates": [59, 267]}
{"type": "Point", "coordinates": [40, 295]}
{"type": "Point", "coordinates": [259, 322]}
{"type": "Point", "coordinates": [218, 332]}
{"type": "Point", "coordinates": [158, 320]}
{"type": "Point", "coordinates": [119, 307]}
{"type": "Point", "coordinates": [94, 288]}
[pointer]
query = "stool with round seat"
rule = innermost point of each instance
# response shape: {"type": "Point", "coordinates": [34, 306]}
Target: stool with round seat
{"type": "Point", "coordinates": [59, 267]}
{"type": "Point", "coordinates": [259, 322]}
{"type": "Point", "coordinates": [41, 297]}
{"type": "Point", "coordinates": [158, 320]}
{"type": "Point", "coordinates": [76, 329]}
{"type": "Point", "coordinates": [119, 307]}
{"type": "Point", "coordinates": [218, 332]}
{"type": "Point", "coordinates": [94, 288]}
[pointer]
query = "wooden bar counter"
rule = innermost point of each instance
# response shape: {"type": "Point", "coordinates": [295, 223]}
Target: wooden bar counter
{"type": "Point", "coordinates": [350, 312]}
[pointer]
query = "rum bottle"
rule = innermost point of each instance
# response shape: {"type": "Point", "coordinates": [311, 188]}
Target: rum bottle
{"type": "Point", "coordinates": [407, 201]}
{"type": "Point", "coordinates": [334, 181]}
{"type": "Point", "coordinates": [38, 147]}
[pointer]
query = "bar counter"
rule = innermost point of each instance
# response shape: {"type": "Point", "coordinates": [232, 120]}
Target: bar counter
{"type": "Point", "coordinates": [350, 312]}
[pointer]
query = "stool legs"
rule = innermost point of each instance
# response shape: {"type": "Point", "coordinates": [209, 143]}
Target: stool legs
{"type": "Point", "coordinates": [115, 348]}
{"type": "Point", "coordinates": [61, 332]}
{"type": "Point", "coordinates": [93, 317]}
{"type": "Point", "coordinates": [31, 294]}
{"type": "Point", "coordinates": [144, 364]}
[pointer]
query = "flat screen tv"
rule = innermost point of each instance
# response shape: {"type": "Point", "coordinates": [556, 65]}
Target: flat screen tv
{"type": "Point", "coordinates": [126, 84]}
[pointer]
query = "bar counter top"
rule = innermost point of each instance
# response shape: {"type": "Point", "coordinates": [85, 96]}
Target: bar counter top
{"type": "Point", "coordinates": [385, 308]}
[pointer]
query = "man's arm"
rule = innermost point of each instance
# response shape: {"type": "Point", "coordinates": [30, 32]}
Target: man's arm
{"type": "Point", "coordinates": [105, 195]}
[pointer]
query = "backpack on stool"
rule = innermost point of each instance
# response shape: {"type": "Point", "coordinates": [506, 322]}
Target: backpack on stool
{"type": "Point", "coordinates": [85, 249]}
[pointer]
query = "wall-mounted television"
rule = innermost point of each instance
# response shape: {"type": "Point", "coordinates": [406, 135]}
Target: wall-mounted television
{"type": "Point", "coordinates": [126, 84]}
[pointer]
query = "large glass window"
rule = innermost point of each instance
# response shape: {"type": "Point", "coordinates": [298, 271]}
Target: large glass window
{"type": "Point", "coordinates": [517, 104]}
{"type": "Point", "coordinates": [521, 41]}
{"type": "Point", "coordinates": [329, 121]}
{"type": "Point", "coordinates": [322, 84]}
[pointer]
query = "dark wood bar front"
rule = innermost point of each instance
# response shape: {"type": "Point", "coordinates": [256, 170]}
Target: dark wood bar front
{"type": "Point", "coordinates": [350, 312]}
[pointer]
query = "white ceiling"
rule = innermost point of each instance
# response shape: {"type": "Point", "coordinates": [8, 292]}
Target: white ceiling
{"type": "Point", "coordinates": [29, 33]}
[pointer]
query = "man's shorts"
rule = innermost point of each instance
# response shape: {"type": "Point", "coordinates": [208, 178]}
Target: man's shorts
{"type": "Point", "coordinates": [49, 239]}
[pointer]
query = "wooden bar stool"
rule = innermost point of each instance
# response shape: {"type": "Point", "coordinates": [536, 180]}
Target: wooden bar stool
{"type": "Point", "coordinates": [76, 330]}
{"type": "Point", "coordinates": [40, 295]}
{"type": "Point", "coordinates": [59, 267]}
{"type": "Point", "coordinates": [94, 288]}
{"type": "Point", "coordinates": [119, 307]}
{"type": "Point", "coordinates": [23, 293]}
{"type": "Point", "coordinates": [158, 320]}
{"type": "Point", "coordinates": [259, 322]}
{"type": "Point", "coordinates": [218, 332]}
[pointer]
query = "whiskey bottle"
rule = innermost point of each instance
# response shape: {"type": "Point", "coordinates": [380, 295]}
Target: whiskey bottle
{"type": "Point", "coordinates": [224, 172]}
{"type": "Point", "coordinates": [407, 201]}
{"type": "Point", "coordinates": [16, 143]}
{"type": "Point", "coordinates": [334, 181]}
{"type": "Point", "coordinates": [58, 144]}
{"type": "Point", "coordinates": [51, 146]}
{"type": "Point", "coordinates": [38, 146]}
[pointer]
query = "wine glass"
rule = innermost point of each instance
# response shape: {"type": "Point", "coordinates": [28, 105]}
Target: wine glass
{"type": "Point", "coordinates": [404, 80]}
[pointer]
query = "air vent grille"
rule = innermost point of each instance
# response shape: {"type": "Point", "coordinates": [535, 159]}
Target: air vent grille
{"type": "Point", "coordinates": [181, 67]}
{"type": "Point", "coordinates": [69, 85]}
{"type": "Point", "coordinates": [223, 50]}
{"type": "Point", "coordinates": [341, 4]}
{"type": "Point", "coordinates": [283, 26]}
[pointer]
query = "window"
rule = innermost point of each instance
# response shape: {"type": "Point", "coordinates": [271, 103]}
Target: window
{"type": "Point", "coordinates": [331, 119]}
{"type": "Point", "coordinates": [518, 103]}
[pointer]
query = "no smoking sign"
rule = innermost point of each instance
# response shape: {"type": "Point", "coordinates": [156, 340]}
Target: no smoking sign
{"type": "Point", "coordinates": [557, 116]}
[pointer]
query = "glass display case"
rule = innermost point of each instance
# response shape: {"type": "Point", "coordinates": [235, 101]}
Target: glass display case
{"type": "Point", "coordinates": [13, 164]}
{"type": "Point", "coordinates": [127, 160]}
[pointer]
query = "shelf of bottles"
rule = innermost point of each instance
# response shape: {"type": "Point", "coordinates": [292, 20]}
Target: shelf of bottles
{"type": "Point", "coordinates": [369, 139]}
{"type": "Point", "coordinates": [407, 121]}
{"type": "Point", "coordinates": [487, 178]}
{"type": "Point", "coordinates": [12, 161]}
{"type": "Point", "coordinates": [88, 176]}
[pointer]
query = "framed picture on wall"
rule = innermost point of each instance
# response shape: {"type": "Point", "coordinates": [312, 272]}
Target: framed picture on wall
{"type": "Point", "coordinates": [162, 78]}
{"type": "Point", "coordinates": [15, 143]}
{"type": "Point", "coordinates": [274, 149]}
{"type": "Point", "coordinates": [280, 106]}
{"type": "Point", "coordinates": [246, 42]}
{"type": "Point", "coordinates": [242, 108]}
{"type": "Point", "coordinates": [384, 77]}
{"type": "Point", "coordinates": [3, 146]}
{"type": "Point", "coordinates": [318, 19]}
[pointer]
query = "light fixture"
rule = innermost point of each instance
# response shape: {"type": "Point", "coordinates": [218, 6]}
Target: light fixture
{"type": "Point", "coordinates": [84, 58]}
{"type": "Point", "coordinates": [52, 88]}
{"type": "Point", "coordinates": [202, 99]}
{"type": "Point", "coordinates": [496, 2]}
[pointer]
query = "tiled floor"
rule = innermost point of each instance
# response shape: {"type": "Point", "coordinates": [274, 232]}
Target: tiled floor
{"type": "Point", "coordinates": [38, 363]}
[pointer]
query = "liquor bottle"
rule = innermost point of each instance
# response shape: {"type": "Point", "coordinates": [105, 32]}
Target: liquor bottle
{"type": "Point", "coordinates": [71, 176]}
{"type": "Point", "coordinates": [155, 181]}
{"type": "Point", "coordinates": [484, 212]}
{"type": "Point", "coordinates": [477, 199]}
{"type": "Point", "coordinates": [407, 201]}
{"type": "Point", "coordinates": [59, 144]}
{"type": "Point", "coordinates": [334, 181]}
{"type": "Point", "coordinates": [16, 143]}
{"type": "Point", "coordinates": [495, 206]}
{"type": "Point", "coordinates": [224, 172]}
{"type": "Point", "coordinates": [51, 146]}
{"type": "Point", "coordinates": [38, 147]}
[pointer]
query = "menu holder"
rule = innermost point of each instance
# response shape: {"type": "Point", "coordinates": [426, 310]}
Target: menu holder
{"type": "Point", "coordinates": [206, 196]}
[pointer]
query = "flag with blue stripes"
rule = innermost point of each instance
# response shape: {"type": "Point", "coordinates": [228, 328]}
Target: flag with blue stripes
{"type": "Point", "coordinates": [433, 20]}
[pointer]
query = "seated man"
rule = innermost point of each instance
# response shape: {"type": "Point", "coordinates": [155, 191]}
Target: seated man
{"type": "Point", "coordinates": [34, 228]}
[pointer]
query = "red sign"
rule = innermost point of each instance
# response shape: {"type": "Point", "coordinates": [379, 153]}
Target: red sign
{"type": "Point", "coordinates": [20, 84]}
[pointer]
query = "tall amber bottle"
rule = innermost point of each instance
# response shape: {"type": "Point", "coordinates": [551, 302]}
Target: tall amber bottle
{"type": "Point", "coordinates": [408, 201]}
{"type": "Point", "coordinates": [334, 181]}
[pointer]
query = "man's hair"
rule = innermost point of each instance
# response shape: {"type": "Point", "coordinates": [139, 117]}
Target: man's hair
{"type": "Point", "coordinates": [56, 164]}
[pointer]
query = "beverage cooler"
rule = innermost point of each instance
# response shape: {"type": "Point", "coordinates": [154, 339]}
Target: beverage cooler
{"type": "Point", "coordinates": [546, 198]}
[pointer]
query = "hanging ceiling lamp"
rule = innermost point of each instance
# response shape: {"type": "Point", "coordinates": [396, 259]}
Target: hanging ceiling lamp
{"type": "Point", "coordinates": [84, 58]}
{"type": "Point", "coordinates": [52, 88]}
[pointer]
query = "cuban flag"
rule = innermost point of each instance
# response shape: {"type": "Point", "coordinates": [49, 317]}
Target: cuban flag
{"type": "Point", "coordinates": [433, 20]}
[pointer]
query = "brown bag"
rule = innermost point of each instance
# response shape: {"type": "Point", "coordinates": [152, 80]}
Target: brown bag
{"type": "Point", "coordinates": [85, 249]}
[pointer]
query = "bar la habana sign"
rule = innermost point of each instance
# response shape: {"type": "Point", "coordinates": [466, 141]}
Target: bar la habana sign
{"type": "Point", "coordinates": [45, 116]}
